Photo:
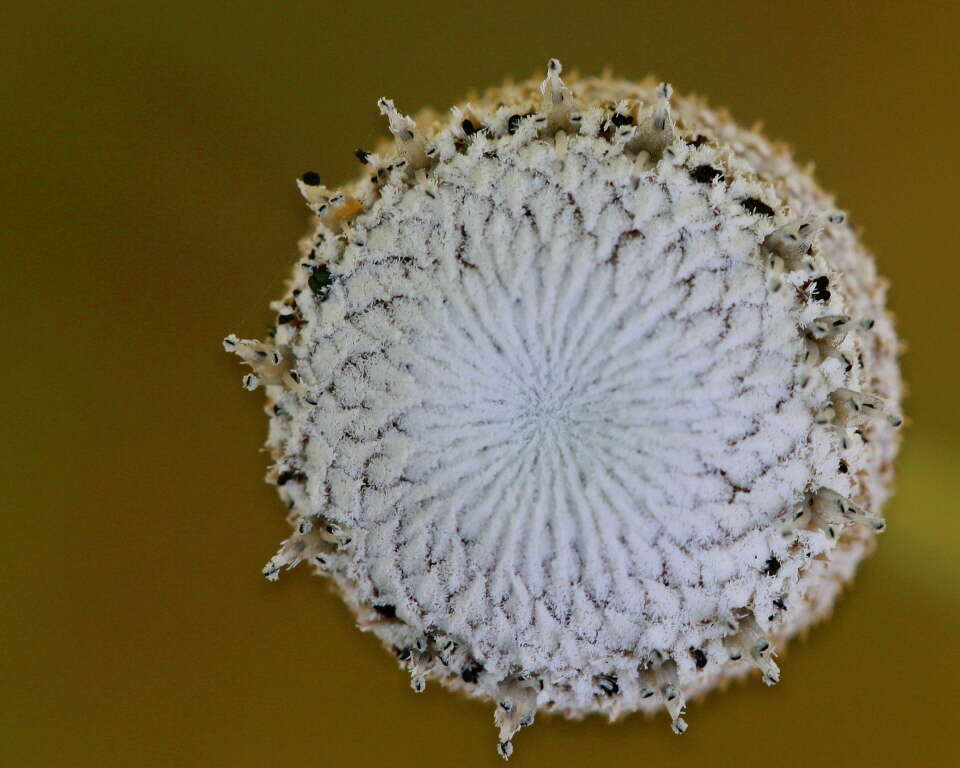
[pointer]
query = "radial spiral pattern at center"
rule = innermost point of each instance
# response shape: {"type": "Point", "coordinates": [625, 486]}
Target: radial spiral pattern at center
{"type": "Point", "coordinates": [574, 442]}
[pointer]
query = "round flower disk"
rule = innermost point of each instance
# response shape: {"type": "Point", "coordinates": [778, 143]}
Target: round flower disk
{"type": "Point", "coordinates": [583, 397]}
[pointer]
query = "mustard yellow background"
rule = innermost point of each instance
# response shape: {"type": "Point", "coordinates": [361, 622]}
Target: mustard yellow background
{"type": "Point", "coordinates": [147, 208]}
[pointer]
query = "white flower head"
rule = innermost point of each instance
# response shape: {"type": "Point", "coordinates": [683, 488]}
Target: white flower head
{"type": "Point", "coordinates": [583, 396]}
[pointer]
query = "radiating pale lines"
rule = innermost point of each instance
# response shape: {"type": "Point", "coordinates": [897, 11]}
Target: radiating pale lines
{"type": "Point", "coordinates": [566, 400]}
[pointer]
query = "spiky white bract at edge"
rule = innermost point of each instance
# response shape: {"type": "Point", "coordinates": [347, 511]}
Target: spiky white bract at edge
{"type": "Point", "coordinates": [583, 397]}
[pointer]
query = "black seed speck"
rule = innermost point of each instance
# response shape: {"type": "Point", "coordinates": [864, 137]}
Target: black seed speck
{"type": "Point", "coordinates": [402, 653]}
{"type": "Point", "coordinates": [319, 280]}
{"type": "Point", "coordinates": [620, 120]}
{"type": "Point", "coordinates": [780, 604]}
{"type": "Point", "coordinates": [608, 684]}
{"type": "Point", "coordinates": [284, 319]}
{"type": "Point", "coordinates": [468, 127]}
{"type": "Point", "coordinates": [311, 179]}
{"type": "Point", "coordinates": [757, 207]}
{"type": "Point", "coordinates": [362, 155]}
{"type": "Point", "coordinates": [513, 123]}
{"type": "Point", "coordinates": [387, 611]}
{"type": "Point", "coordinates": [843, 468]}
{"type": "Point", "coordinates": [472, 673]}
{"type": "Point", "coordinates": [820, 292]}
{"type": "Point", "coordinates": [705, 174]}
{"type": "Point", "coordinates": [697, 141]}
{"type": "Point", "coordinates": [699, 657]}
{"type": "Point", "coordinates": [772, 566]}
{"type": "Point", "coordinates": [285, 477]}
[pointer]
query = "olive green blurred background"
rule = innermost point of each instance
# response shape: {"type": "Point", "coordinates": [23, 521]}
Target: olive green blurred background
{"type": "Point", "coordinates": [147, 208]}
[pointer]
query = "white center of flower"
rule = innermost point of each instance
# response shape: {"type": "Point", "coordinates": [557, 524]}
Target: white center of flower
{"type": "Point", "coordinates": [565, 412]}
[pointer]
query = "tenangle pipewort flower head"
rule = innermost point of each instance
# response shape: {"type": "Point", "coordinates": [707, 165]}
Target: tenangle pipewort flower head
{"type": "Point", "coordinates": [583, 395]}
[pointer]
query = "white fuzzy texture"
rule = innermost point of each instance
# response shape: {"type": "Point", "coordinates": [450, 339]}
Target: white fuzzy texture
{"type": "Point", "coordinates": [597, 430]}
{"type": "Point", "coordinates": [558, 414]}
